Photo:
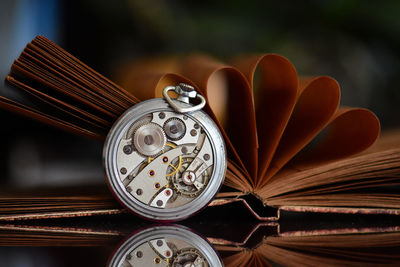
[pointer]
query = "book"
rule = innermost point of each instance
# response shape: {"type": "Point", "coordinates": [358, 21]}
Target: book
{"type": "Point", "coordinates": [290, 143]}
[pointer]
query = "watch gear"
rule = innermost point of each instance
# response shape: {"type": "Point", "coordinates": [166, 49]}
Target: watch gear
{"type": "Point", "coordinates": [149, 139]}
{"type": "Point", "coordinates": [186, 183]}
{"type": "Point", "coordinates": [135, 125]}
{"type": "Point", "coordinates": [175, 128]}
{"type": "Point", "coordinates": [189, 257]}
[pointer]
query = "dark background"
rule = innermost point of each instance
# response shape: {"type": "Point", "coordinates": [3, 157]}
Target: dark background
{"type": "Point", "coordinates": [356, 42]}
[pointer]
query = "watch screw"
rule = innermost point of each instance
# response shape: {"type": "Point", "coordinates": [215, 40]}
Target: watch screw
{"type": "Point", "coordinates": [127, 149]}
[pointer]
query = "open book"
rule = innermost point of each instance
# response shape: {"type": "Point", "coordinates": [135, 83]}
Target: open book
{"type": "Point", "coordinates": [289, 142]}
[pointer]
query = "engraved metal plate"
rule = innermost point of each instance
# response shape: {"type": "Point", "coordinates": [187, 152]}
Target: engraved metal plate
{"type": "Point", "coordinates": [165, 246]}
{"type": "Point", "coordinates": [163, 164]}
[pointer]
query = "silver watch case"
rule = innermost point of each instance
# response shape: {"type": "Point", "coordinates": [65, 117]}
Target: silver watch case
{"type": "Point", "coordinates": [112, 171]}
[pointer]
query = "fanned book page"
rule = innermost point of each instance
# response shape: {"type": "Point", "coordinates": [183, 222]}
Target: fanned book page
{"type": "Point", "coordinates": [289, 141]}
{"type": "Point", "coordinates": [72, 95]}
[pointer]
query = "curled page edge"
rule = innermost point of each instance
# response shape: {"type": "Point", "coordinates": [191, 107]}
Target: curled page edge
{"type": "Point", "coordinates": [61, 214]}
{"type": "Point", "coordinates": [312, 209]}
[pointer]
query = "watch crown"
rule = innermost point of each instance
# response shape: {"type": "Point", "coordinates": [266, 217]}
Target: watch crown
{"type": "Point", "coordinates": [185, 90]}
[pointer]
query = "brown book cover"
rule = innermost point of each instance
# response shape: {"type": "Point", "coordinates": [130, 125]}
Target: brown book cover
{"type": "Point", "coordinates": [290, 143]}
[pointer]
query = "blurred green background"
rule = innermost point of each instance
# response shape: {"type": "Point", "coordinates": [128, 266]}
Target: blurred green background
{"type": "Point", "coordinates": [356, 42]}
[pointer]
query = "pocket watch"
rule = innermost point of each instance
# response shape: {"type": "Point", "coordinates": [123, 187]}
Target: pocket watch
{"type": "Point", "coordinates": [165, 158]}
{"type": "Point", "coordinates": [165, 245]}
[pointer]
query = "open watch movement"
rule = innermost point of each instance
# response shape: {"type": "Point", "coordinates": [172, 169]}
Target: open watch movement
{"type": "Point", "coordinates": [168, 245]}
{"type": "Point", "coordinates": [165, 158]}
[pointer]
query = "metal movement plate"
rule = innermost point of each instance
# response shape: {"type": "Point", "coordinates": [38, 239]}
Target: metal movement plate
{"type": "Point", "coordinates": [164, 165]}
{"type": "Point", "coordinates": [165, 246]}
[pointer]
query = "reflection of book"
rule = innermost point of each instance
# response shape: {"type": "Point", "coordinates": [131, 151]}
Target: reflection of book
{"type": "Point", "coordinates": [33, 235]}
{"type": "Point", "coordinates": [373, 249]}
{"type": "Point", "coordinates": [266, 244]}
{"type": "Point", "coordinates": [268, 124]}
{"type": "Point", "coordinates": [263, 245]}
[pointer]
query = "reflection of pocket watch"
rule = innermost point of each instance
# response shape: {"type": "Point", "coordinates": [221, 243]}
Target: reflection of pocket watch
{"type": "Point", "coordinates": [165, 246]}
{"type": "Point", "coordinates": [165, 159]}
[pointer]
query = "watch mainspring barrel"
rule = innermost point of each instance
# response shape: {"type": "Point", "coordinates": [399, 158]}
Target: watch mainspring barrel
{"type": "Point", "coordinates": [165, 159]}
{"type": "Point", "coordinates": [165, 246]}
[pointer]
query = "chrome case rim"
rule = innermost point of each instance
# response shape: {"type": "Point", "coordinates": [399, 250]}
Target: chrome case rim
{"type": "Point", "coordinates": [127, 199]}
